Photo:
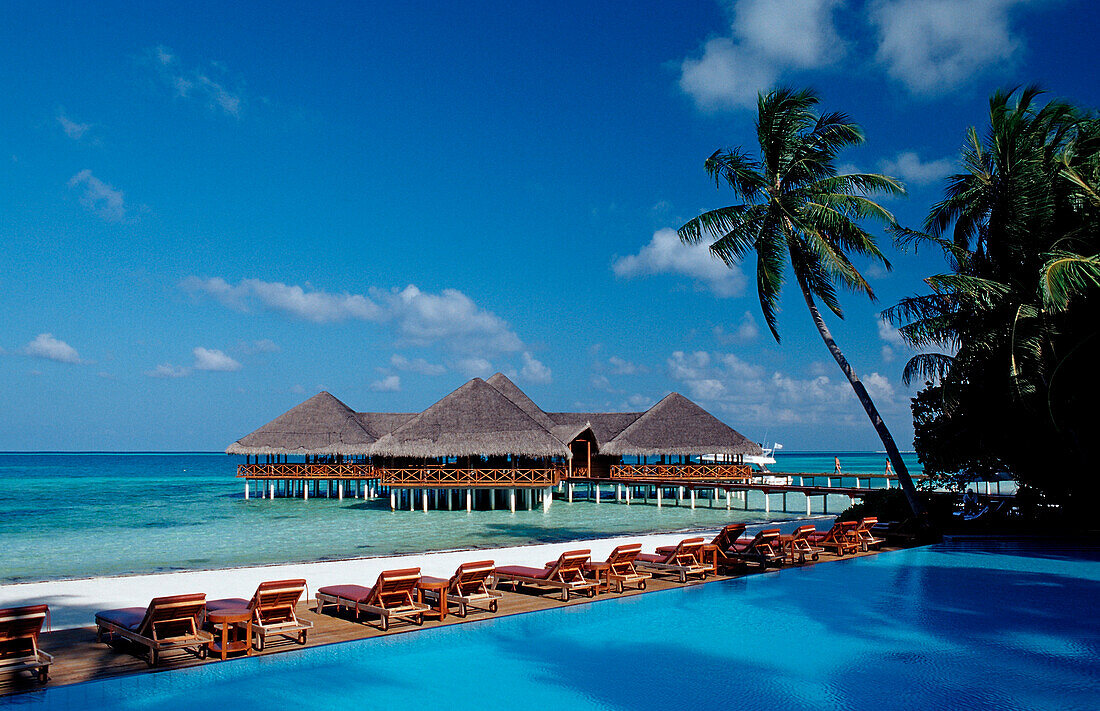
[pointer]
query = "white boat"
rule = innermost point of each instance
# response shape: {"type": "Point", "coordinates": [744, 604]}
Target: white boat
{"type": "Point", "coordinates": [761, 461]}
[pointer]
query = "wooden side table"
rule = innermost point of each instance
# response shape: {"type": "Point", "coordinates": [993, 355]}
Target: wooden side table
{"type": "Point", "coordinates": [439, 587]}
{"type": "Point", "coordinates": [231, 623]}
{"type": "Point", "coordinates": [603, 574]}
{"type": "Point", "coordinates": [710, 552]}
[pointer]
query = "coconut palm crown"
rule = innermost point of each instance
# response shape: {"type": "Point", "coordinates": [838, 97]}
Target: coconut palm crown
{"type": "Point", "coordinates": [800, 216]}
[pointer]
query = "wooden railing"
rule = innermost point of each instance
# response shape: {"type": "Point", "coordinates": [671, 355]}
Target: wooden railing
{"type": "Point", "coordinates": [681, 472]}
{"type": "Point", "coordinates": [306, 471]}
{"type": "Point", "coordinates": [445, 477]}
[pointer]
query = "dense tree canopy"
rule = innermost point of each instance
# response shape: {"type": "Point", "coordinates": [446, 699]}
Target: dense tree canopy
{"type": "Point", "coordinates": [1009, 335]}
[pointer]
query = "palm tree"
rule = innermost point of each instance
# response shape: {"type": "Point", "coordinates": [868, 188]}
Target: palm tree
{"type": "Point", "coordinates": [799, 212]}
{"type": "Point", "coordinates": [1010, 333]}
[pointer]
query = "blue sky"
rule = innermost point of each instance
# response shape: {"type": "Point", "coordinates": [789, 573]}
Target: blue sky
{"type": "Point", "coordinates": [214, 211]}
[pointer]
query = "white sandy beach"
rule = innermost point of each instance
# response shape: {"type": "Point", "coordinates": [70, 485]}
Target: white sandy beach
{"type": "Point", "coordinates": [73, 603]}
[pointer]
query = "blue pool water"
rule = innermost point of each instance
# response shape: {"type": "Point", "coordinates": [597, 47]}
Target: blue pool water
{"type": "Point", "coordinates": [944, 627]}
{"type": "Point", "coordinates": [87, 515]}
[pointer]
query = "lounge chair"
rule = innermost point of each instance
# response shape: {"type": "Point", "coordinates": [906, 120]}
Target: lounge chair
{"type": "Point", "coordinates": [721, 543]}
{"type": "Point", "coordinates": [620, 567]}
{"type": "Point", "coordinates": [839, 539]}
{"type": "Point", "coordinates": [272, 608]}
{"type": "Point", "coordinates": [469, 587]}
{"type": "Point", "coordinates": [684, 559]}
{"type": "Point", "coordinates": [799, 546]}
{"type": "Point", "coordinates": [173, 622]}
{"type": "Point", "coordinates": [566, 574]}
{"type": "Point", "coordinates": [764, 549]}
{"type": "Point", "coordinates": [865, 537]}
{"type": "Point", "coordinates": [19, 630]}
{"type": "Point", "coordinates": [392, 595]}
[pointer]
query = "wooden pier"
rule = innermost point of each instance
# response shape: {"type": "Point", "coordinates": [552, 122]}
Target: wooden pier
{"type": "Point", "coordinates": [649, 488]}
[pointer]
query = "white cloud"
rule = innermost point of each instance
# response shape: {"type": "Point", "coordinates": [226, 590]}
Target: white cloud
{"type": "Point", "coordinates": [449, 319]}
{"type": "Point", "coordinates": [601, 382]}
{"type": "Point", "coordinates": [206, 359]}
{"type": "Point", "coordinates": [167, 370]}
{"type": "Point", "coordinates": [197, 83]}
{"type": "Point", "coordinates": [214, 360]}
{"type": "Point", "coordinates": [666, 254]}
{"type": "Point", "coordinates": [416, 365]}
{"type": "Point", "coordinates": [263, 345]}
{"type": "Point", "coordinates": [888, 333]}
{"type": "Point", "coordinates": [768, 39]}
{"type": "Point", "coordinates": [473, 367]}
{"type": "Point", "coordinates": [71, 128]}
{"type": "Point", "coordinates": [388, 384]}
{"type": "Point", "coordinates": [878, 387]}
{"type": "Point", "coordinates": [99, 197]}
{"type": "Point", "coordinates": [908, 166]}
{"type": "Point", "coordinates": [622, 366]}
{"type": "Point", "coordinates": [533, 370]}
{"type": "Point", "coordinates": [297, 388]}
{"type": "Point", "coordinates": [745, 331]}
{"type": "Point", "coordinates": [46, 346]}
{"type": "Point", "coordinates": [311, 305]}
{"type": "Point", "coordinates": [753, 393]}
{"type": "Point", "coordinates": [935, 46]}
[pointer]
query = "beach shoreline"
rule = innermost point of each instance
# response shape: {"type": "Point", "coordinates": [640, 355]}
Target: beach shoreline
{"type": "Point", "coordinates": [73, 602]}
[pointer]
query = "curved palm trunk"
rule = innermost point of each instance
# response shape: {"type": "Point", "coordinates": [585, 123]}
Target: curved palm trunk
{"type": "Point", "coordinates": [868, 406]}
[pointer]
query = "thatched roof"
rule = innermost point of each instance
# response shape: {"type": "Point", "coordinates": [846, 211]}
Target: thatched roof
{"type": "Point", "coordinates": [510, 390]}
{"type": "Point", "coordinates": [491, 417]}
{"type": "Point", "coordinates": [605, 425]}
{"type": "Point", "coordinates": [382, 423]}
{"type": "Point", "coordinates": [320, 425]}
{"type": "Point", "coordinates": [676, 425]}
{"type": "Point", "coordinates": [475, 419]}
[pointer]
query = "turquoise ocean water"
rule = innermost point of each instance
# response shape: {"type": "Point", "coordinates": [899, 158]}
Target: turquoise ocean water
{"type": "Point", "coordinates": [83, 515]}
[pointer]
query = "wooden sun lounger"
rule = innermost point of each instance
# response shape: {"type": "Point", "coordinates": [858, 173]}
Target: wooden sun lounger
{"type": "Point", "coordinates": [272, 608]}
{"type": "Point", "coordinates": [19, 630]}
{"type": "Point", "coordinates": [620, 567]}
{"type": "Point", "coordinates": [566, 574]}
{"type": "Point", "coordinates": [717, 549]}
{"type": "Point", "coordinates": [684, 559]}
{"type": "Point", "coordinates": [864, 536]}
{"type": "Point", "coordinates": [839, 539]}
{"type": "Point", "coordinates": [469, 587]}
{"type": "Point", "coordinates": [764, 549]}
{"type": "Point", "coordinates": [173, 622]}
{"type": "Point", "coordinates": [392, 595]}
{"type": "Point", "coordinates": [799, 547]}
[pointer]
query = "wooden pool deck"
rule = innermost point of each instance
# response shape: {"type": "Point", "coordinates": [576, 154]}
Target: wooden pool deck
{"type": "Point", "coordinates": [78, 657]}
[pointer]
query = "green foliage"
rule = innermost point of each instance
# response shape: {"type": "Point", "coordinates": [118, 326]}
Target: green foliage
{"type": "Point", "coordinates": [801, 215]}
{"type": "Point", "coordinates": [798, 211]}
{"type": "Point", "coordinates": [1010, 333]}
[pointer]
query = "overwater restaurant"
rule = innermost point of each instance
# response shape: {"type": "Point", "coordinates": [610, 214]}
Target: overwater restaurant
{"type": "Point", "coordinates": [486, 445]}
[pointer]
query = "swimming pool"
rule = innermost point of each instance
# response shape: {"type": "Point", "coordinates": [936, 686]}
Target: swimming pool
{"type": "Point", "coordinates": [989, 626]}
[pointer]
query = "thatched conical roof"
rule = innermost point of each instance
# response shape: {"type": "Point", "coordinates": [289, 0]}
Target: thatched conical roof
{"type": "Point", "coordinates": [605, 425]}
{"type": "Point", "coordinates": [475, 419]}
{"type": "Point", "coordinates": [382, 423]}
{"type": "Point", "coordinates": [510, 390]}
{"type": "Point", "coordinates": [676, 425]}
{"type": "Point", "coordinates": [320, 425]}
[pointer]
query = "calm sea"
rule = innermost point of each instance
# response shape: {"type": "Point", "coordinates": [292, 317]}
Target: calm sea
{"type": "Point", "coordinates": [82, 515]}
